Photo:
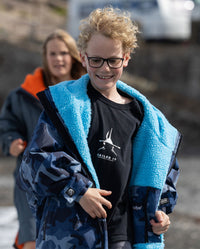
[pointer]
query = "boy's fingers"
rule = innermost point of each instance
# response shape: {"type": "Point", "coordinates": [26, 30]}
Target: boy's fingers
{"type": "Point", "coordinates": [102, 213]}
{"type": "Point", "coordinates": [159, 216]}
{"type": "Point", "coordinates": [106, 203]}
{"type": "Point", "coordinates": [105, 192]}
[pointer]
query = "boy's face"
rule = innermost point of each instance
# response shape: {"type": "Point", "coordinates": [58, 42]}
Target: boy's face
{"type": "Point", "coordinates": [104, 78]}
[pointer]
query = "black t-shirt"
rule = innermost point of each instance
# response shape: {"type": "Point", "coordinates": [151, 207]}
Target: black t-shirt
{"type": "Point", "coordinates": [112, 130]}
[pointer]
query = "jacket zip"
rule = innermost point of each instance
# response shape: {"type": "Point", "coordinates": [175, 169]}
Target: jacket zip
{"type": "Point", "coordinates": [146, 218]}
{"type": "Point", "coordinates": [44, 228]}
{"type": "Point", "coordinates": [177, 145]}
{"type": "Point", "coordinates": [104, 235]}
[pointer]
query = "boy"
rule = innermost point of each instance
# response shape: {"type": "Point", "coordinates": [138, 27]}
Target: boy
{"type": "Point", "coordinates": [102, 158]}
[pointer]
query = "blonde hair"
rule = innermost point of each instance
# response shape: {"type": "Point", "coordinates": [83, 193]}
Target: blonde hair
{"type": "Point", "coordinates": [77, 69]}
{"type": "Point", "coordinates": [112, 23]}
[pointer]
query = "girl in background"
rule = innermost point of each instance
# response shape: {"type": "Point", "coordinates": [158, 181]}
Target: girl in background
{"type": "Point", "coordinates": [22, 109]}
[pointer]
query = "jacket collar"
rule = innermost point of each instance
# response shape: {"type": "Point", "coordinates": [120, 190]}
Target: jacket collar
{"type": "Point", "coordinates": [153, 145]}
{"type": "Point", "coordinates": [34, 83]}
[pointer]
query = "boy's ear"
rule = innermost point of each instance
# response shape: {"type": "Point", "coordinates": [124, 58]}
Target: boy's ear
{"type": "Point", "coordinates": [82, 55]}
{"type": "Point", "coordinates": [126, 59]}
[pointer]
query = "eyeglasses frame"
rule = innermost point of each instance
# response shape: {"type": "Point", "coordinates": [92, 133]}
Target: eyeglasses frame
{"type": "Point", "coordinates": [107, 60]}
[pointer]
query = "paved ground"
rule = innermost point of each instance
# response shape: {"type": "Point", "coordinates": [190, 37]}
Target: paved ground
{"type": "Point", "coordinates": [184, 232]}
{"type": "Point", "coordinates": [8, 226]}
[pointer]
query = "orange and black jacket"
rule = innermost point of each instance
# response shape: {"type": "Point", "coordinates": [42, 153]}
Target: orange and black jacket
{"type": "Point", "coordinates": [21, 111]}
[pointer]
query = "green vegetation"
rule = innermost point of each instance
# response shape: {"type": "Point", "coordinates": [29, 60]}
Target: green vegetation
{"type": "Point", "coordinates": [61, 11]}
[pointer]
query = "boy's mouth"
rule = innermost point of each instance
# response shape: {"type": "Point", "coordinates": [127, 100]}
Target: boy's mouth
{"type": "Point", "coordinates": [104, 77]}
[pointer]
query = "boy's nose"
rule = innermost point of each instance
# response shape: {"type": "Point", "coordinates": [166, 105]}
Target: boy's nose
{"type": "Point", "coordinates": [105, 65]}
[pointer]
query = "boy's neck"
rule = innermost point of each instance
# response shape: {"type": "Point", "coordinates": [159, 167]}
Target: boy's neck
{"type": "Point", "coordinates": [117, 98]}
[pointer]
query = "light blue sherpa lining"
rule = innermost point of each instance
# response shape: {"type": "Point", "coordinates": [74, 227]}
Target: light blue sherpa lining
{"type": "Point", "coordinates": [71, 98]}
{"type": "Point", "coordinates": [152, 147]}
{"type": "Point", "coordinates": [149, 246]}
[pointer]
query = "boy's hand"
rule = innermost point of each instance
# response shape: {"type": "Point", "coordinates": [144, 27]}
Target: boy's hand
{"type": "Point", "coordinates": [163, 223]}
{"type": "Point", "coordinates": [92, 202]}
{"type": "Point", "coordinates": [17, 147]}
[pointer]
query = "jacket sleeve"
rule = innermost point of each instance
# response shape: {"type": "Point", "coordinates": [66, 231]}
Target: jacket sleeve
{"type": "Point", "coordinates": [11, 126]}
{"type": "Point", "coordinates": [47, 170]}
{"type": "Point", "coordinates": [169, 194]}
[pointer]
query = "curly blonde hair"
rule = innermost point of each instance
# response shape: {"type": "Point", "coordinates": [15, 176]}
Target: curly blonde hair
{"type": "Point", "coordinates": [112, 23]}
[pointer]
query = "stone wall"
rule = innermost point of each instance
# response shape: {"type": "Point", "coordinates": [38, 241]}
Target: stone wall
{"type": "Point", "coordinates": [15, 63]}
{"type": "Point", "coordinates": [172, 66]}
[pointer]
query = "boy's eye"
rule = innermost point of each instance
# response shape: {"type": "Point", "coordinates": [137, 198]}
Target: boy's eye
{"type": "Point", "coordinates": [96, 60]}
{"type": "Point", "coordinates": [113, 61]}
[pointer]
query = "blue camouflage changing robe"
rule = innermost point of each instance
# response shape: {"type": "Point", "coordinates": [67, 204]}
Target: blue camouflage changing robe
{"type": "Point", "coordinates": [57, 170]}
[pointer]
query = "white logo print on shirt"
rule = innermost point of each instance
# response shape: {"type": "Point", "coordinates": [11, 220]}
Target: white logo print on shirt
{"type": "Point", "coordinates": [107, 152]}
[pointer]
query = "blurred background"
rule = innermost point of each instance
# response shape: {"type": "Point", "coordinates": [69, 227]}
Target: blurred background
{"type": "Point", "coordinates": [165, 67]}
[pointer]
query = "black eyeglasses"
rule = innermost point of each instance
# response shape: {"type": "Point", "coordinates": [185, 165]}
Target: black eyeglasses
{"type": "Point", "coordinates": [97, 62]}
